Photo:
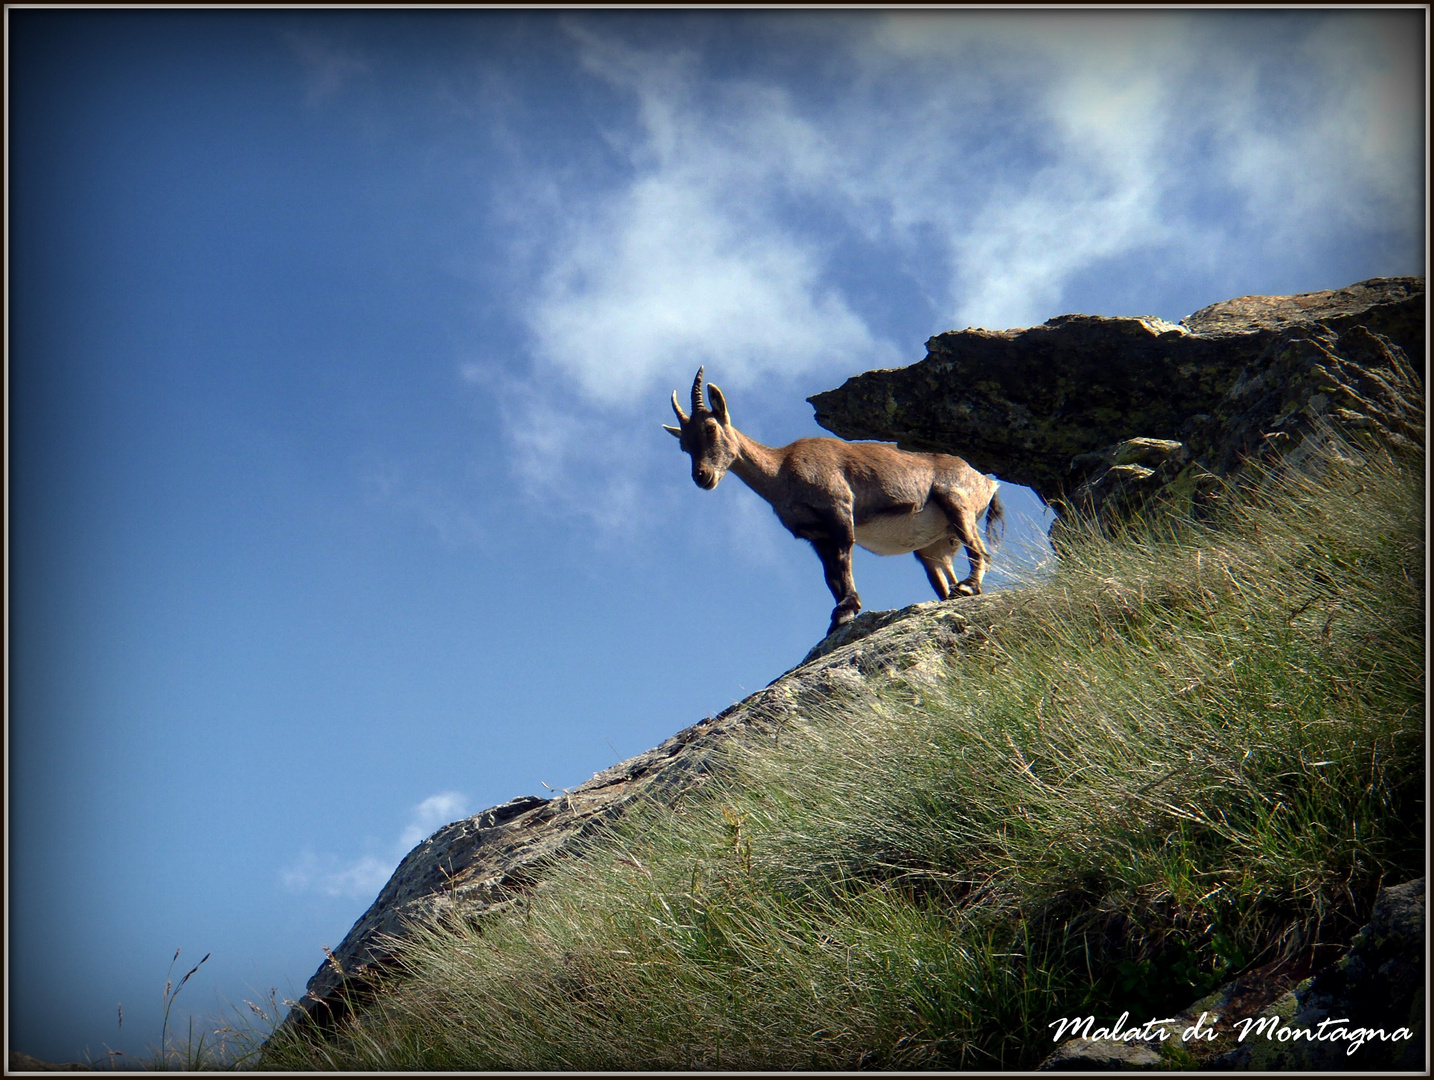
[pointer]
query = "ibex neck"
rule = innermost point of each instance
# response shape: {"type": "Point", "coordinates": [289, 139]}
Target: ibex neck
{"type": "Point", "coordinates": [757, 466]}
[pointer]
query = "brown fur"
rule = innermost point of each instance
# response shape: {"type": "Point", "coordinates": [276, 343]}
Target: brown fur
{"type": "Point", "coordinates": [836, 494]}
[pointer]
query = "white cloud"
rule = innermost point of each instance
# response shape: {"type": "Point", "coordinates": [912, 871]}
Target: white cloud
{"type": "Point", "coordinates": [362, 877]}
{"type": "Point", "coordinates": [993, 161]}
{"type": "Point", "coordinates": [330, 64]}
{"type": "Point", "coordinates": [1212, 139]}
{"type": "Point", "coordinates": [331, 876]}
{"type": "Point", "coordinates": [693, 258]}
{"type": "Point", "coordinates": [585, 461]}
{"type": "Point", "coordinates": [1334, 140]}
{"type": "Point", "coordinates": [440, 508]}
{"type": "Point", "coordinates": [431, 815]}
{"type": "Point", "coordinates": [672, 271]}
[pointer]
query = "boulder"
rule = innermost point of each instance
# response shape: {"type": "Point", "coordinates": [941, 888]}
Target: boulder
{"type": "Point", "coordinates": [1377, 984]}
{"type": "Point", "coordinates": [1102, 1055]}
{"type": "Point", "coordinates": [1099, 413]}
{"type": "Point", "coordinates": [23, 1063]}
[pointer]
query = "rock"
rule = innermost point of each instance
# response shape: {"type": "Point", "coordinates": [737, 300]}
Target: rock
{"type": "Point", "coordinates": [1126, 477]}
{"type": "Point", "coordinates": [1079, 409]}
{"type": "Point", "coordinates": [488, 862]}
{"type": "Point", "coordinates": [1379, 303]}
{"type": "Point", "coordinates": [944, 618]}
{"type": "Point", "coordinates": [1378, 985]}
{"type": "Point", "coordinates": [1101, 1055]}
{"type": "Point", "coordinates": [1356, 379]}
{"type": "Point", "coordinates": [25, 1063]}
{"type": "Point", "coordinates": [1023, 403]}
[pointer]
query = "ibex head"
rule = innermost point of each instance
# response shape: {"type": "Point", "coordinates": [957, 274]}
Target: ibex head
{"type": "Point", "coordinates": [707, 435]}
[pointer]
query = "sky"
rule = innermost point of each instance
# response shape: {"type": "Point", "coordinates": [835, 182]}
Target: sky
{"type": "Point", "coordinates": [339, 345]}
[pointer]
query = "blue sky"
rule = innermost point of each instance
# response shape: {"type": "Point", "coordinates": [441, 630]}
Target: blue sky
{"type": "Point", "coordinates": [339, 346]}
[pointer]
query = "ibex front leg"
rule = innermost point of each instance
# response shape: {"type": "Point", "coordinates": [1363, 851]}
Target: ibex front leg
{"type": "Point", "coordinates": [833, 535]}
{"type": "Point", "coordinates": [836, 562]}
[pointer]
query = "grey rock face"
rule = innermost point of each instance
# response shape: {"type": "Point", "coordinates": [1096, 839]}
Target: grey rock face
{"type": "Point", "coordinates": [1126, 477]}
{"type": "Point", "coordinates": [491, 860]}
{"type": "Point", "coordinates": [1101, 1055]}
{"type": "Point", "coordinates": [1056, 407]}
{"type": "Point", "coordinates": [25, 1063]}
{"type": "Point", "coordinates": [1378, 984]}
{"type": "Point", "coordinates": [1379, 303]}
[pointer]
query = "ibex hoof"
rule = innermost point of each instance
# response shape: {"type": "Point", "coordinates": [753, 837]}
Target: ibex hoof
{"type": "Point", "coordinates": [963, 589]}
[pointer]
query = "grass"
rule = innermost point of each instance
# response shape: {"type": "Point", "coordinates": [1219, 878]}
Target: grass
{"type": "Point", "coordinates": [228, 1047]}
{"type": "Point", "coordinates": [1192, 749]}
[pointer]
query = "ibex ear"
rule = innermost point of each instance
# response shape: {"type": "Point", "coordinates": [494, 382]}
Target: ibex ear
{"type": "Point", "coordinates": [719, 404]}
{"type": "Point", "coordinates": [676, 433]}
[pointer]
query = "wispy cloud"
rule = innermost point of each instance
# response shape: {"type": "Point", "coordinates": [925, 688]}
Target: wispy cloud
{"type": "Point", "coordinates": [1083, 147]}
{"type": "Point", "coordinates": [432, 814]}
{"type": "Point", "coordinates": [330, 65]}
{"type": "Point", "coordinates": [437, 505]}
{"type": "Point", "coordinates": [362, 877]}
{"type": "Point", "coordinates": [995, 163]}
{"type": "Point", "coordinates": [1208, 139]}
{"type": "Point", "coordinates": [1329, 139]}
{"type": "Point", "coordinates": [694, 258]}
{"type": "Point", "coordinates": [332, 876]}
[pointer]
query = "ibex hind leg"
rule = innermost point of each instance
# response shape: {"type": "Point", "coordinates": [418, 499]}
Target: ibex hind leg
{"type": "Point", "coordinates": [963, 525]}
{"type": "Point", "coordinates": [976, 552]}
{"type": "Point", "coordinates": [935, 559]}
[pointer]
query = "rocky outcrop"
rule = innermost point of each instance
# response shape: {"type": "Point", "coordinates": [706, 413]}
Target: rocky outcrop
{"type": "Point", "coordinates": [1376, 987]}
{"type": "Point", "coordinates": [1363, 1012]}
{"type": "Point", "coordinates": [24, 1063]}
{"type": "Point", "coordinates": [1100, 414]}
{"type": "Point", "coordinates": [491, 860]}
{"type": "Point", "coordinates": [1102, 1055]}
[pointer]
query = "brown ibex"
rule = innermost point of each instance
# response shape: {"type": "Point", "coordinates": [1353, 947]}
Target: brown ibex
{"type": "Point", "coordinates": [836, 494]}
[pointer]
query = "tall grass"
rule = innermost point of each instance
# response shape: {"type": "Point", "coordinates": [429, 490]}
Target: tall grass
{"type": "Point", "coordinates": [1190, 750]}
{"type": "Point", "coordinates": [236, 1046]}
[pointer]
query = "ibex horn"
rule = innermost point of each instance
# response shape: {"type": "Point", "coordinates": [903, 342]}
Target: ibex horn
{"type": "Point", "coordinates": [697, 405]}
{"type": "Point", "coordinates": [682, 416]}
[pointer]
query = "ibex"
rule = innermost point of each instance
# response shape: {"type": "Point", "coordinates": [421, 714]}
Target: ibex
{"type": "Point", "coordinates": [836, 494]}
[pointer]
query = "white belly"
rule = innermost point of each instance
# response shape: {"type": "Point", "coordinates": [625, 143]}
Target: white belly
{"type": "Point", "coordinates": [898, 534]}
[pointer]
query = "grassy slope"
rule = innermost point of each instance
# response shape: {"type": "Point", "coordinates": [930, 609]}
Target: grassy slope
{"type": "Point", "coordinates": [1192, 750]}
